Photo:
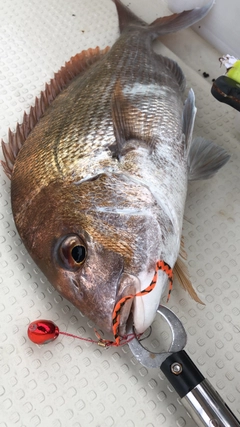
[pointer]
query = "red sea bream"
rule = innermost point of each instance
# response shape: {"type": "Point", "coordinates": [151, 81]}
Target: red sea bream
{"type": "Point", "coordinates": [99, 174]}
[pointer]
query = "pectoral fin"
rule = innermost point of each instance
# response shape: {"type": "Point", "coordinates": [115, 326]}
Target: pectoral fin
{"type": "Point", "coordinates": [205, 159]}
{"type": "Point", "coordinates": [189, 114]}
{"type": "Point", "coordinates": [125, 132]}
{"type": "Point", "coordinates": [181, 273]}
{"type": "Point", "coordinates": [120, 126]}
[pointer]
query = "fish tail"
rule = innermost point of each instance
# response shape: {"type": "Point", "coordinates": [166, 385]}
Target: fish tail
{"type": "Point", "coordinates": [126, 17]}
{"type": "Point", "coordinates": [165, 25]}
{"type": "Point", "coordinates": [178, 21]}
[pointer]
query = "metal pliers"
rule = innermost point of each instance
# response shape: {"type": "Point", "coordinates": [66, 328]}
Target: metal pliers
{"type": "Point", "coordinates": [201, 400]}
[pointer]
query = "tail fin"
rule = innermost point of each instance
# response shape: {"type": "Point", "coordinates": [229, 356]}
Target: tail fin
{"type": "Point", "coordinates": [179, 21]}
{"type": "Point", "coordinates": [125, 16]}
{"type": "Point", "coordinates": [165, 25]}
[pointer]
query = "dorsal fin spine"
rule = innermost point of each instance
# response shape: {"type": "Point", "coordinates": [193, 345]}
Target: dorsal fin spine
{"type": "Point", "coordinates": [72, 68]}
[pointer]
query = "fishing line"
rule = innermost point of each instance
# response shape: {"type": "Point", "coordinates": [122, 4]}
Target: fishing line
{"type": "Point", "coordinates": [160, 265]}
{"type": "Point", "coordinates": [44, 331]}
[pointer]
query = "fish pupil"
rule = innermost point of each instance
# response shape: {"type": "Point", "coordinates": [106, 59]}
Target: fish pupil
{"type": "Point", "coordinates": [78, 254]}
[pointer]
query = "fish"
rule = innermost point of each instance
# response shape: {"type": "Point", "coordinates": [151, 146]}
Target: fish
{"type": "Point", "coordinates": [99, 171]}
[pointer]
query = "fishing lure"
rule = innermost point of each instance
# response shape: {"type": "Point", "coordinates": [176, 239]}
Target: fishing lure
{"type": "Point", "coordinates": [44, 331]}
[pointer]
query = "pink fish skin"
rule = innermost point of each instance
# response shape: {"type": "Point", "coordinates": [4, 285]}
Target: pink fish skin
{"type": "Point", "coordinates": [98, 187]}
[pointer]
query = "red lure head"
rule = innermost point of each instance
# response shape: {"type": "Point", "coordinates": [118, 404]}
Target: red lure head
{"type": "Point", "coordinates": [42, 331]}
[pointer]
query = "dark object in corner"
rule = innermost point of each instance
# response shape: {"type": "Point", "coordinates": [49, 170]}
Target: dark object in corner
{"type": "Point", "coordinates": [205, 75]}
{"type": "Point", "coordinates": [227, 90]}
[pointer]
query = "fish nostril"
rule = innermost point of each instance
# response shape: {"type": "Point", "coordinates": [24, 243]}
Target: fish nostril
{"type": "Point", "coordinates": [75, 283]}
{"type": "Point", "coordinates": [77, 287]}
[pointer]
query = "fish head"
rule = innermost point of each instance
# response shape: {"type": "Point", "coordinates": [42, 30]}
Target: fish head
{"type": "Point", "coordinates": [96, 242]}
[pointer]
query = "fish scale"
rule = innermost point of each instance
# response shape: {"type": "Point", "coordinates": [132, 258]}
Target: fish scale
{"type": "Point", "coordinates": [104, 173]}
{"type": "Point", "coordinates": [82, 119]}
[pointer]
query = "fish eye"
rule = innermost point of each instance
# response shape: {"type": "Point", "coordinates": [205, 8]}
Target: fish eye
{"type": "Point", "coordinates": [72, 252]}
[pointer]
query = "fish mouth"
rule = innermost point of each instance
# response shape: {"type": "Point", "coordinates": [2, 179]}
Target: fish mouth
{"type": "Point", "coordinates": [129, 285]}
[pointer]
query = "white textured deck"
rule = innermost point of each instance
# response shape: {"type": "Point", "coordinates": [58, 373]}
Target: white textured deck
{"type": "Point", "coordinates": [69, 383]}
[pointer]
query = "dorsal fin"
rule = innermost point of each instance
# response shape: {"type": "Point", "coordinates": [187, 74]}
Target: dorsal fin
{"type": "Point", "coordinates": [76, 65]}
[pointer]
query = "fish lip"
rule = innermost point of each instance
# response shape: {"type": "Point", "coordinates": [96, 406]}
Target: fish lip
{"type": "Point", "coordinates": [128, 286]}
{"type": "Point", "coordinates": [125, 317]}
